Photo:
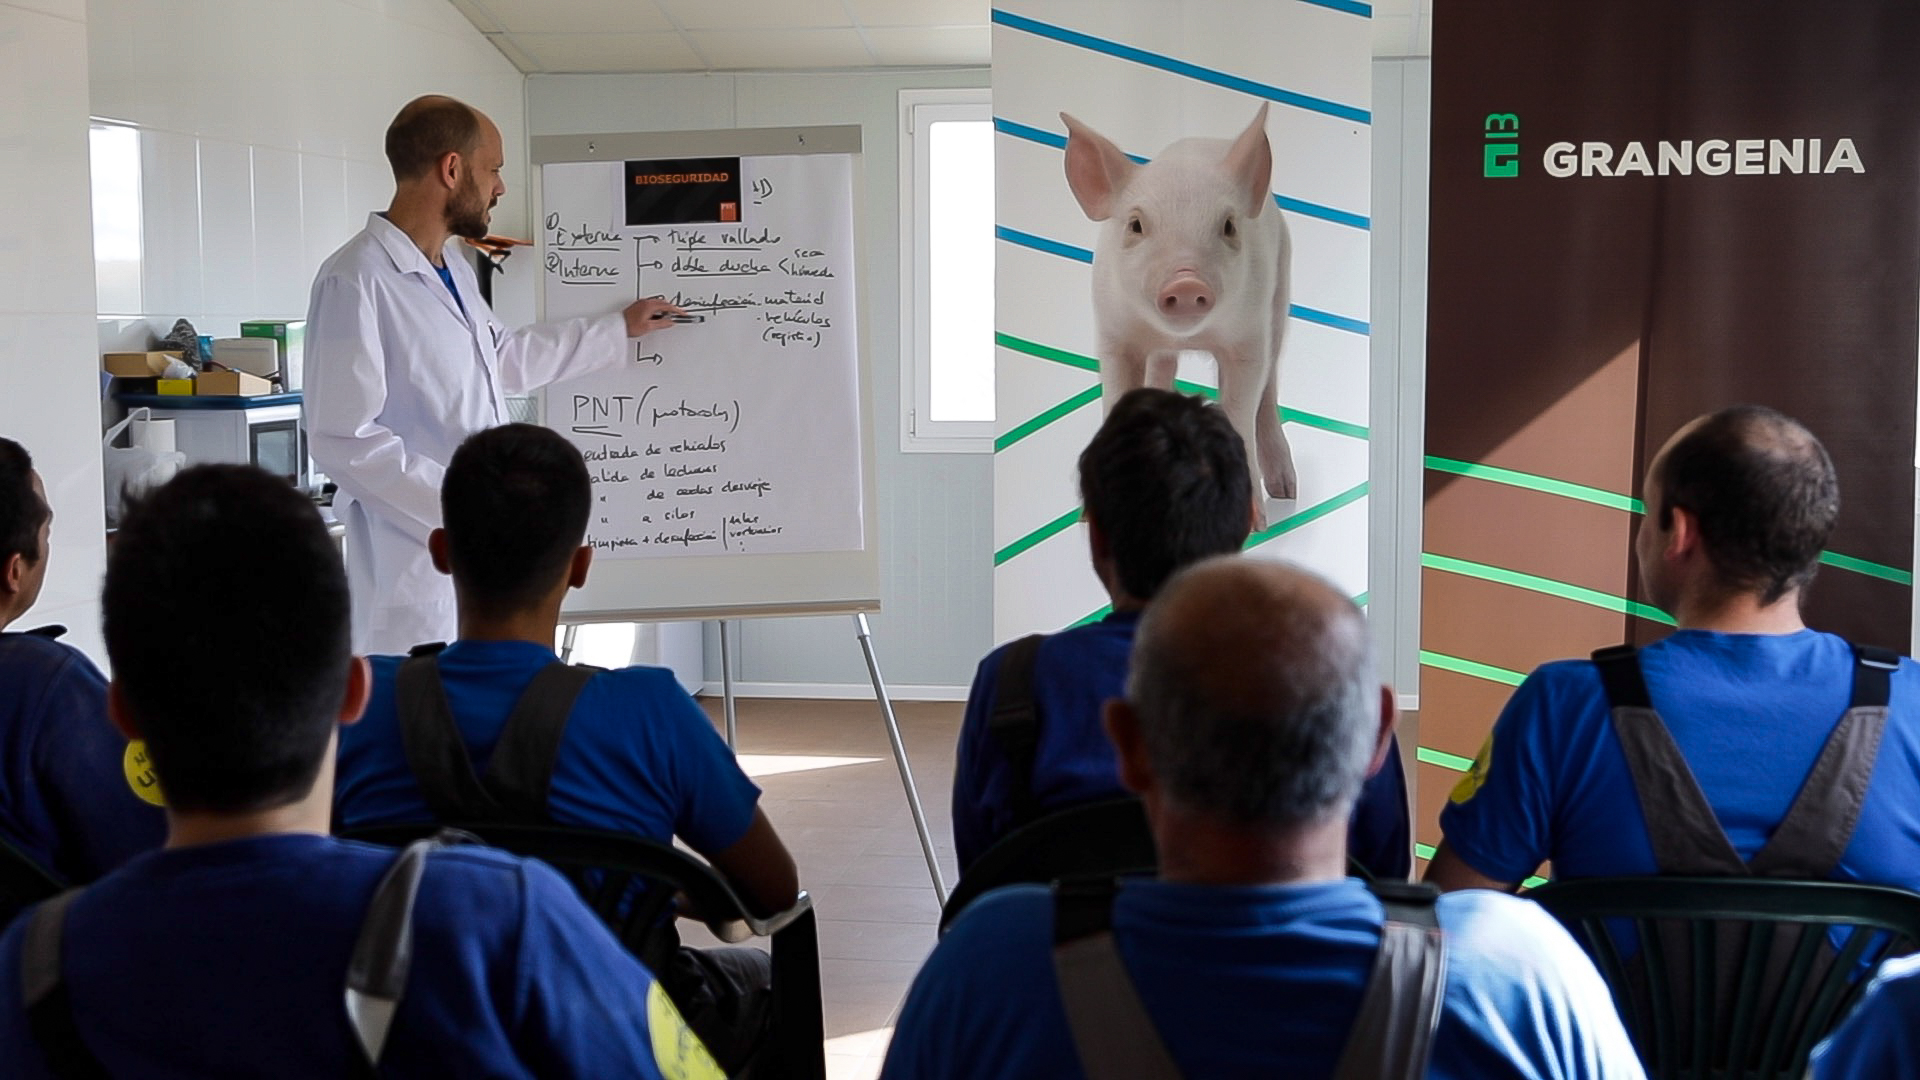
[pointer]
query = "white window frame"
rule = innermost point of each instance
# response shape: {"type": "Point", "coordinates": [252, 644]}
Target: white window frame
{"type": "Point", "coordinates": [919, 433]}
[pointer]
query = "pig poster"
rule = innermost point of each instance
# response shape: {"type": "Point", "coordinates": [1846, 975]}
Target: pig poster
{"type": "Point", "coordinates": [1182, 200]}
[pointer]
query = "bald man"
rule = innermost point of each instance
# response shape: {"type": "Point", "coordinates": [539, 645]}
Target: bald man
{"type": "Point", "coordinates": [1251, 716]}
{"type": "Point", "coordinates": [404, 360]}
{"type": "Point", "coordinates": [1697, 754]}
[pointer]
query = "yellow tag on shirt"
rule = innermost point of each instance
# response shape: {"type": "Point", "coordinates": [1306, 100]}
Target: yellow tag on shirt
{"type": "Point", "coordinates": [1469, 785]}
{"type": "Point", "coordinates": [139, 769]}
{"type": "Point", "coordinates": [676, 1049]}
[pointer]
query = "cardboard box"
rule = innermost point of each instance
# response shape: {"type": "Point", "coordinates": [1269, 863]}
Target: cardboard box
{"type": "Point", "coordinates": [290, 335]}
{"type": "Point", "coordinates": [254, 356]}
{"type": "Point", "coordinates": [230, 384]}
{"type": "Point", "coordinates": [137, 365]}
{"type": "Point", "coordinates": [173, 387]}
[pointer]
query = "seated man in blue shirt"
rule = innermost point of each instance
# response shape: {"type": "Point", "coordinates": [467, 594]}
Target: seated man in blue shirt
{"type": "Point", "coordinates": [1165, 484]}
{"type": "Point", "coordinates": [228, 952]}
{"type": "Point", "coordinates": [1880, 1039]}
{"type": "Point", "coordinates": [66, 797]}
{"type": "Point", "coordinates": [1741, 701]}
{"type": "Point", "coordinates": [635, 754]}
{"type": "Point", "coordinates": [1251, 715]}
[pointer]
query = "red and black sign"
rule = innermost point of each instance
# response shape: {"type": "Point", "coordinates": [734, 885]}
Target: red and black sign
{"type": "Point", "coordinates": [683, 191]}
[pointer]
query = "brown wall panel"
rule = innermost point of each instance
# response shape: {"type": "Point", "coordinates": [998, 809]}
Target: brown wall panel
{"type": "Point", "coordinates": [1580, 543]}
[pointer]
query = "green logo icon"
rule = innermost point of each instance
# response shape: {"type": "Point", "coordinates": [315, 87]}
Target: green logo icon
{"type": "Point", "coordinates": [1501, 156]}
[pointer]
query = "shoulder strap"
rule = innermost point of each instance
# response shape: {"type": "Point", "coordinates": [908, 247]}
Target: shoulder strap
{"type": "Point", "coordinates": [1681, 826]}
{"type": "Point", "coordinates": [383, 951]}
{"type": "Point", "coordinates": [1112, 1033]}
{"type": "Point", "coordinates": [520, 771]}
{"type": "Point", "coordinates": [1015, 722]}
{"type": "Point", "coordinates": [43, 989]}
{"type": "Point", "coordinates": [435, 752]}
{"type": "Point", "coordinates": [1392, 1036]}
{"type": "Point", "coordinates": [1819, 825]}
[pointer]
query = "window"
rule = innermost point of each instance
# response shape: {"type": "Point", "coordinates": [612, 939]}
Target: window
{"type": "Point", "coordinates": [117, 248]}
{"type": "Point", "coordinates": [946, 271]}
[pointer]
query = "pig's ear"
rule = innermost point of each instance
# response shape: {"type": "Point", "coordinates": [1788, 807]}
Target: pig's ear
{"type": "Point", "coordinates": [1250, 164]}
{"type": "Point", "coordinates": [1096, 169]}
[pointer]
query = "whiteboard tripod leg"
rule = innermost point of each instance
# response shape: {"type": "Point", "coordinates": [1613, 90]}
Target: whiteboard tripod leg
{"type": "Point", "coordinates": [570, 631]}
{"type": "Point", "coordinates": [900, 756]}
{"type": "Point", "coordinates": [726, 688]}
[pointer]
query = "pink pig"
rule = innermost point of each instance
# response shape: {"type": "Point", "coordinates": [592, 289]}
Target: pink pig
{"type": "Point", "coordinates": [1192, 255]}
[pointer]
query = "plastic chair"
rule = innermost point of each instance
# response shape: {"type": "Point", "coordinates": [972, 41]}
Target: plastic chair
{"type": "Point", "coordinates": [23, 882]}
{"type": "Point", "coordinates": [606, 867]}
{"type": "Point", "coordinates": [1105, 837]}
{"type": "Point", "coordinates": [1733, 978]}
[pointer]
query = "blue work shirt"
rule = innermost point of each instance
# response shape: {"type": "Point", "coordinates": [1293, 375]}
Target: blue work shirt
{"type": "Point", "coordinates": [1258, 981]}
{"type": "Point", "coordinates": [1880, 1039]}
{"type": "Point", "coordinates": [231, 959]}
{"type": "Point", "coordinates": [639, 756]}
{"type": "Point", "coordinates": [65, 799]}
{"type": "Point", "coordinates": [1749, 712]}
{"type": "Point", "coordinates": [1076, 672]}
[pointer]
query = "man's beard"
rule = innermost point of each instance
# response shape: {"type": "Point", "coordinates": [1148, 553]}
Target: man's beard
{"type": "Point", "coordinates": [468, 218]}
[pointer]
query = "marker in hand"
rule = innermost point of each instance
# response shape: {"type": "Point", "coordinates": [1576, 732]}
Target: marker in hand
{"type": "Point", "coordinates": [653, 312]}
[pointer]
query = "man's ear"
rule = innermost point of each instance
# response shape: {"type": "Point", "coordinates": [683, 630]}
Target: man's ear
{"type": "Point", "coordinates": [13, 575]}
{"type": "Point", "coordinates": [359, 689]}
{"type": "Point", "coordinates": [437, 548]}
{"type": "Point", "coordinates": [1130, 747]}
{"type": "Point", "coordinates": [1683, 538]}
{"type": "Point", "coordinates": [120, 714]}
{"type": "Point", "coordinates": [1097, 545]}
{"type": "Point", "coordinates": [451, 168]}
{"type": "Point", "coordinates": [1383, 738]}
{"type": "Point", "coordinates": [577, 570]}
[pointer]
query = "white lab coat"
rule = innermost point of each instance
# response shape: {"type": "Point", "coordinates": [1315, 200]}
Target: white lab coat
{"type": "Point", "coordinates": [396, 376]}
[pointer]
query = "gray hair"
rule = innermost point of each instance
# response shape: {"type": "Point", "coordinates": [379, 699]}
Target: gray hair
{"type": "Point", "coordinates": [1255, 688]}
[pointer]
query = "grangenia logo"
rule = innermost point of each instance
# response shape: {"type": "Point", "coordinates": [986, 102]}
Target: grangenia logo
{"type": "Point", "coordinates": [1501, 156]}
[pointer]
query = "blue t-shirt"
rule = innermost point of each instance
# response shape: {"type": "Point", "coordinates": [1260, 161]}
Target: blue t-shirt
{"type": "Point", "coordinates": [64, 795]}
{"type": "Point", "coordinates": [1075, 673]}
{"type": "Point", "coordinates": [446, 278]}
{"type": "Point", "coordinates": [232, 958]}
{"type": "Point", "coordinates": [638, 757]}
{"type": "Point", "coordinates": [1749, 712]}
{"type": "Point", "coordinates": [1880, 1039]}
{"type": "Point", "coordinates": [1258, 981]}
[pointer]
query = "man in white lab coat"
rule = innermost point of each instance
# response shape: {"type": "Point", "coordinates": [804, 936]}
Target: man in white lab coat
{"type": "Point", "coordinates": [405, 360]}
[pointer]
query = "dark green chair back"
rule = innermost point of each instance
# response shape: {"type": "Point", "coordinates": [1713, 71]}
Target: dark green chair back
{"type": "Point", "coordinates": [23, 882]}
{"type": "Point", "coordinates": [631, 883]}
{"type": "Point", "coordinates": [1733, 978]}
{"type": "Point", "coordinates": [1109, 837]}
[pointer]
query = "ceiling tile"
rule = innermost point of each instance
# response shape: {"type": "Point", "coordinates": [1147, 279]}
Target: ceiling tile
{"type": "Point", "coordinates": [576, 16]}
{"type": "Point", "coordinates": [478, 15]}
{"type": "Point", "coordinates": [910, 46]}
{"type": "Point", "coordinates": [920, 12]}
{"type": "Point", "coordinates": [517, 56]}
{"type": "Point", "coordinates": [610, 52]}
{"type": "Point", "coordinates": [786, 49]}
{"type": "Point", "coordinates": [756, 14]}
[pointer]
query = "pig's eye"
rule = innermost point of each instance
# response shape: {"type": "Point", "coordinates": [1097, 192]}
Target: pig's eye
{"type": "Point", "coordinates": [1133, 226]}
{"type": "Point", "coordinates": [1229, 231]}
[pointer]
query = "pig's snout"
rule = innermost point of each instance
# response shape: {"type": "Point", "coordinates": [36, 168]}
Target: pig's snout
{"type": "Point", "coordinates": [1185, 296]}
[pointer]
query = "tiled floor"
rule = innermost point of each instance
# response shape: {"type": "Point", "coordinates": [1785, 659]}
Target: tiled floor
{"type": "Point", "coordinates": [833, 793]}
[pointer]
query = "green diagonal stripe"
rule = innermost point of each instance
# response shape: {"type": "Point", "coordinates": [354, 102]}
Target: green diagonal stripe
{"type": "Point", "coordinates": [1535, 583]}
{"type": "Point", "coordinates": [1064, 521]}
{"type": "Point", "coordinates": [1599, 496]}
{"type": "Point", "coordinates": [1311, 513]}
{"type": "Point", "coordinates": [1425, 851]}
{"type": "Point", "coordinates": [1085, 397]}
{"type": "Point", "coordinates": [1088, 363]}
{"type": "Point", "coordinates": [1361, 600]}
{"type": "Point", "coordinates": [1471, 667]}
{"type": "Point", "coordinates": [1871, 569]}
{"type": "Point", "coordinates": [1095, 617]}
{"type": "Point", "coordinates": [1443, 759]}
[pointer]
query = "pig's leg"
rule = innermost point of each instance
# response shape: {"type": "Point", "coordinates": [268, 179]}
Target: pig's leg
{"type": "Point", "coordinates": [1276, 457]}
{"type": "Point", "coordinates": [1121, 369]}
{"type": "Point", "coordinates": [1162, 368]}
{"type": "Point", "coordinates": [1241, 392]}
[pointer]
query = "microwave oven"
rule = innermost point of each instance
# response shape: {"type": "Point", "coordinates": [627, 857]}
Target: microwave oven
{"type": "Point", "coordinates": [266, 431]}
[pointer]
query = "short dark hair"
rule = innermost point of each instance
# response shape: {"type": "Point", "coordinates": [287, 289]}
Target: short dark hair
{"type": "Point", "coordinates": [226, 617]}
{"type": "Point", "coordinates": [1764, 493]}
{"type": "Point", "coordinates": [515, 501]}
{"type": "Point", "coordinates": [22, 510]}
{"type": "Point", "coordinates": [1167, 482]}
{"type": "Point", "coordinates": [428, 129]}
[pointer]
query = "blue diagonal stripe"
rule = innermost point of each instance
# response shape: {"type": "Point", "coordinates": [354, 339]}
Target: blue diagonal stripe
{"type": "Point", "coordinates": [1291, 205]}
{"type": "Point", "coordinates": [1080, 254]}
{"type": "Point", "coordinates": [1351, 7]}
{"type": "Point", "coordinates": [1182, 67]}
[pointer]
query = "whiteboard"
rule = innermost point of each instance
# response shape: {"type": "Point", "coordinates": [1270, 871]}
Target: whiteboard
{"type": "Point", "coordinates": [732, 459]}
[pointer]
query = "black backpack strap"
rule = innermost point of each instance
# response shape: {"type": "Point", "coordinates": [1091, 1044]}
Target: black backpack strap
{"type": "Point", "coordinates": [383, 951]}
{"type": "Point", "coordinates": [520, 771]}
{"type": "Point", "coordinates": [43, 991]}
{"type": "Point", "coordinates": [1681, 827]}
{"type": "Point", "coordinates": [1015, 723]}
{"type": "Point", "coordinates": [1392, 1035]}
{"type": "Point", "coordinates": [435, 752]}
{"type": "Point", "coordinates": [1112, 1033]}
{"type": "Point", "coordinates": [1810, 840]}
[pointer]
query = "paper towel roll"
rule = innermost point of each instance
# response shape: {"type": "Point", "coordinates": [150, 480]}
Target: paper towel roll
{"type": "Point", "coordinates": [154, 435]}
